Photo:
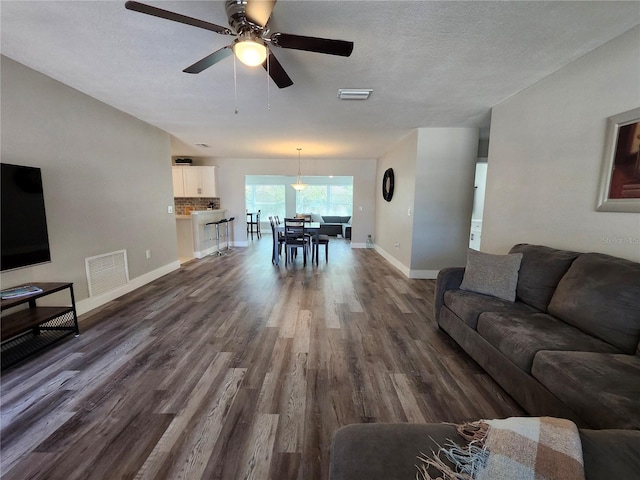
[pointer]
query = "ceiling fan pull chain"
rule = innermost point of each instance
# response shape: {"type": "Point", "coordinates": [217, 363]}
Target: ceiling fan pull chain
{"type": "Point", "coordinates": [235, 85]}
{"type": "Point", "coordinates": [268, 89]}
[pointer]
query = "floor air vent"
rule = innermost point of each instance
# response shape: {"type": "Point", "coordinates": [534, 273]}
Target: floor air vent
{"type": "Point", "coordinates": [107, 272]}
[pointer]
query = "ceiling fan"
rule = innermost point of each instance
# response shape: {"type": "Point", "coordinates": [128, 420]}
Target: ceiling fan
{"type": "Point", "coordinates": [248, 20]}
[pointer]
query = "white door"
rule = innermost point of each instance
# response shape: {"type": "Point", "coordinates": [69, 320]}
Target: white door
{"type": "Point", "coordinates": [478, 205]}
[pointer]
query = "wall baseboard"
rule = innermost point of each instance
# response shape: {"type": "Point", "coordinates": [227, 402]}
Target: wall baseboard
{"type": "Point", "coordinates": [393, 261]}
{"type": "Point", "coordinates": [424, 274]}
{"type": "Point", "coordinates": [91, 303]}
{"type": "Point", "coordinates": [418, 274]}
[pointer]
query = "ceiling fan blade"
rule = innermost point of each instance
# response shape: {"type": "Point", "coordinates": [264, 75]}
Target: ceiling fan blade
{"type": "Point", "coordinates": [259, 11]}
{"type": "Point", "coordinates": [210, 60]}
{"type": "Point", "coordinates": [277, 73]}
{"type": "Point", "coordinates": [176, 17]}
{"type": "Point", "coordinates": [313, 44]}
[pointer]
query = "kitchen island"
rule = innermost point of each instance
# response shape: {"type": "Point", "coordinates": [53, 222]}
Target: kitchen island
{"type": "Point", "coordinates": [196, 239]}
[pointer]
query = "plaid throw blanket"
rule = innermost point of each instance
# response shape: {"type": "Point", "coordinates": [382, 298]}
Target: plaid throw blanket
{"type": "Point", "coordinates": [515, 448]}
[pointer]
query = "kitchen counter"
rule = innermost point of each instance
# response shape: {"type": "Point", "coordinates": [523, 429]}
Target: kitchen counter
{"type": "Point", "coordinates": [195, 238]}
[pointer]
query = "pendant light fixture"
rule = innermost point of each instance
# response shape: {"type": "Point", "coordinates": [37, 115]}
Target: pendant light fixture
{"type": "Point", "coordinates": [299, 185]}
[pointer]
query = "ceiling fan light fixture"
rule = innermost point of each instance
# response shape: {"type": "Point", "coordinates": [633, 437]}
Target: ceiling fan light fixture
{"type": "Point", "coordinates": [250, 52]}
{"type": "Point", "coordinates": [248, 21]}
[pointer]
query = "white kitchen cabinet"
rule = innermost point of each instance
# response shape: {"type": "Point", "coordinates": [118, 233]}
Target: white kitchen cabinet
{"type": "Point", "coordinates": [196, 182]}
{"type": "Point", "coordinates": [209, 181]}
{"type": "Point", "coordinates": [178, 182]}
{"type": "Point", "coordinates": [199, 181]}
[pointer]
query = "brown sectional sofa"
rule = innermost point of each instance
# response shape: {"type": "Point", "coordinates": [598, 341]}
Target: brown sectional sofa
{"type": "Point", "coordinates": [569, 346]}
{"type": "Point", "coordinates": [332, 225]}
{"type": "Point", "coordinates": [389, 451]}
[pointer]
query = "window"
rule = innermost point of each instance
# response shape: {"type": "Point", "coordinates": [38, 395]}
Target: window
{"type": "Point", "coordinates": [269, 199]}
{"type": "Point", "coordinates": [325, 200]}
{"type": "Point", "coordinates": [273, 195]}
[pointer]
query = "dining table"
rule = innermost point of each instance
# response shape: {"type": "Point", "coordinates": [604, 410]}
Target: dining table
{"type": "Point", "coordinates": [312, 228]}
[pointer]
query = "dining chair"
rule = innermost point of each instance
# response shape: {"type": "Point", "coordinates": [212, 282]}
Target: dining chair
{"type": "Point", "coordinates": [278, 240]}
{"type": "Point", "coordinates": [253, 222]}
{"type": "Point", "coordinates": [317, 241]}
{"type": "Point", "coordinates": [294, 238]}
{"type": "Point", "coordinates": [307, 219]}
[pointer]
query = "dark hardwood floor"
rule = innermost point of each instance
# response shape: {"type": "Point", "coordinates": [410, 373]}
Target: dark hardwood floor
{"type": "Point", "coordinates": [231, 368]}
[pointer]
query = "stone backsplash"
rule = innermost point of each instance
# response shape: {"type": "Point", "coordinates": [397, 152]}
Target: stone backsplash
{"type": "Point", "coordinates": [199, 203]}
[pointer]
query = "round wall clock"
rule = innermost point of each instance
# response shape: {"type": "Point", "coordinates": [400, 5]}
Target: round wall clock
{"type": "Point", "coordinates": [387, 184]}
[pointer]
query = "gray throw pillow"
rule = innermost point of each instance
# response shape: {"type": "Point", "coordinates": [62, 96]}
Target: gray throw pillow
{"type": "Point", "coordinates": [495, 275]}
{"type": "Point", "coordinates": [316, 217]}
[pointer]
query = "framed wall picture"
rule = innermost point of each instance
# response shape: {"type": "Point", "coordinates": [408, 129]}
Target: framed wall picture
{"type": "Point", "coordinates": [620, 180]}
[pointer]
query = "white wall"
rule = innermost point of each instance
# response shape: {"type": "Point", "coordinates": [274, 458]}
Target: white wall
{"type": "Point", "coordinates": [393, 225]}
{"type": "Point", "coordinates": [444, 199]}
{"type": "Point", "coordinates": [546, 151]}
{"type": "Point", "coordinates": [106, 179]}
{"type": "Point", "coordinates": [232, 173]}
{"type": "Point", "coordinates": [430, 213]}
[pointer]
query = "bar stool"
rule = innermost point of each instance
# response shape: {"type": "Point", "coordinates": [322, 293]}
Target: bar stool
{"type": "Point", "coordinates": [217, 224]}
{"type": "Point", "coordinates": [227, 232]}
{"type": "Point", "coordinates": [226, 223]}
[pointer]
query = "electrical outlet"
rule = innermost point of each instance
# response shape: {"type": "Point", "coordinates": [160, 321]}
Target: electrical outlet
{"type": "Point", "coordinates": [397, 244]}
{"type": "Point", "coordinates": [170, 209]}
{"type": "Point", "coordinates": [148, 253]}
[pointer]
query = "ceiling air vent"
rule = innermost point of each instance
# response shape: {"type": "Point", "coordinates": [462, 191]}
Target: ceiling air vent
{"type": "Point", "coordinates": [354, 93]}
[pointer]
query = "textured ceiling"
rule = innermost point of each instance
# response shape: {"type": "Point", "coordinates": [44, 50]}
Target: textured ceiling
{"type": "Point", "coordinates": [429, 63]}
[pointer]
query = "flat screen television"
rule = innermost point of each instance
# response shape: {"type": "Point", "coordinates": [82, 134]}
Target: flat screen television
{"type": "Point", "coordinates": [24, 236]}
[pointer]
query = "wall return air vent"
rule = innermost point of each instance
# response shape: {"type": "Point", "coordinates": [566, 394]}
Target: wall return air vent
{"type": "Point", "coordinates": [107, 272]}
